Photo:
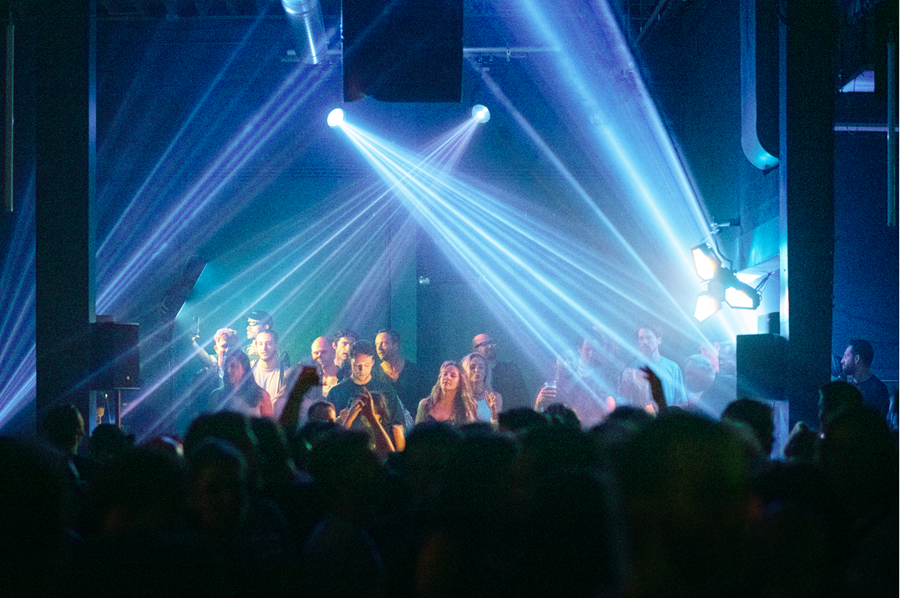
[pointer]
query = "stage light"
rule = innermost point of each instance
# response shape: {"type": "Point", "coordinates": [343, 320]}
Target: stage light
{"type": "Point", "coordinates": [723, 285]}
{"type": "Point", "coordinates": [481, 113]}
{"type": "Point", "coordinates": [740, 295]}
{"type": "Point", "coordinates": [706, 262]}
{"type": "Point", "coordinates": [335, 117]}
{"type": "Point", "coordinates": [707, 305]}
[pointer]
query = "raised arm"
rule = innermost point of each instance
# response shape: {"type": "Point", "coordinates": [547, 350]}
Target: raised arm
{"type": "Point", "coordinates": [383, 444]}
{"type": "Point", "coordinates": [290, 415]}
{"type": "Point", "coordinates": [656, 389]}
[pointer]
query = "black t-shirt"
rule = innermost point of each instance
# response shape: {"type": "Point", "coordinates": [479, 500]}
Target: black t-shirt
{"type": "Point", "coordinates": [412, 385]}
{"type": "Point", "coordinates": [875, 395]}
{"type": "Point", "coordinates": [508, 381]}
{"type": "Point", "coordinates": [346, 391]}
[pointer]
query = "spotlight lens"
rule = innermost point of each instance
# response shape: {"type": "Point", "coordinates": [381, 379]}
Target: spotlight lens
{"type": "Point", "coordinates": [335, 117]}
{"type": "Point", "coordinates": [481, 113]}
{"type": "Point", "coordinates": [739, 298]}
{"type": "Point", "coordinates": [705, 262]}
{"type": "Point", "coordinates": [706, 306]}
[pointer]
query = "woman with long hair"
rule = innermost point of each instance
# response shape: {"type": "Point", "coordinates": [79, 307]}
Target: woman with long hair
{"type": "Point", "coordinates": [488, 403]}
{"type": "Point", "coordinates": [239, 391]}
{"type": "Point", "coordinates": [451, 398]}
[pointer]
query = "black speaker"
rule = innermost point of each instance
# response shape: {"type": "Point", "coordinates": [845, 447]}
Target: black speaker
{"type": "Point", "coordinates": [402, 50]}
{"type": "Point", "coordinates": [762, 366]}
{"type": "Point", "coordinates": [115, 361]}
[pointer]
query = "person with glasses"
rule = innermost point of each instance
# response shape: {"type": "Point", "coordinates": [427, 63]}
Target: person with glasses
{"type": "Point", "coordinates": [506, 376]}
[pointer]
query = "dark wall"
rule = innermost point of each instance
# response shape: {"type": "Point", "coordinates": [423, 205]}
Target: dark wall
{"type": "Point", "coordinates": [865, 252]}
{"type": "Point", "coordinates": [692, 64]}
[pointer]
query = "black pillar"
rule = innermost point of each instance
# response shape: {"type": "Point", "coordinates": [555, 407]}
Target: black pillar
{"type": "Point", "coordinates": [807, 92]}
{"type": "Point", "coordinates": [64, 174]}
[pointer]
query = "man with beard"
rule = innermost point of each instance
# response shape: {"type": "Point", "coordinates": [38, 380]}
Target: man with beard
{"type": "Point", "coordinates": [268, 371]}
{"type": "Point", "coordinates": [506, 377]}
{"type": "Point", "coordinates": [260, 321]}
{"type": "Point", "coordinates": [404, 376]}
{"type": "Point", "coordinates": [649, 340]}
{"type": "Point", "coordinates": [855, 366]}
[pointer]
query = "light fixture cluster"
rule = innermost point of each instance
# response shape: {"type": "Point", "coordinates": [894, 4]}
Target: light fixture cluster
{"type": "Point", "coordinates": [722, 285]}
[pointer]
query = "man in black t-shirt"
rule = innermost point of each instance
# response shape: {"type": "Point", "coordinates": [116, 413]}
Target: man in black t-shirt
{"type": "Point", "coordinates": [345, 394]}
{"type": "Point", "coordinates": [403, 375]}
{"type": "Point", "coordinates": [855, 366]}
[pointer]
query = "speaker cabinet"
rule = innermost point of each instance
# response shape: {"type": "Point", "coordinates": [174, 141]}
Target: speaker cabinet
{"type": "Point", "coordinates": [115, 360]}
{"type": "Point", "coordinates": [402, 50]}
{"type": "Point", "coordinates": [762, 366]}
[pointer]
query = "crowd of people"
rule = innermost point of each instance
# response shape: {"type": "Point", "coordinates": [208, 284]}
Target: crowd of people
{"type": "Point", "coordinates": [357, 477]}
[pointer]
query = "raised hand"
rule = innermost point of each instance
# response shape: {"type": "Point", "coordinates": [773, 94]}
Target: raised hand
{"type": "Point", "coordinates": [368, 406]}
{"type": "Point", "coordinates": [656, 389]}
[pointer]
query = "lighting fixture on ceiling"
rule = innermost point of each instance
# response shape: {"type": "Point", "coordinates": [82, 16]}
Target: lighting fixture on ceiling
{"type": "Point", "coordinates": [706, 262]}
{"type": "Point", "coordinates": [481, 113]}
{"type": "Point", "coordinates": [723, 285]}
{"type": "Point", "coordinates": [706, 306]}
{"type": "Point", "coordinates": [335, 117]}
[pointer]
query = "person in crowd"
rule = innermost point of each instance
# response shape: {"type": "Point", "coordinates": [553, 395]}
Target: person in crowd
{"type": "Point", "coordinates": [239, 391]}
{"type": "Point", "coordinates": [323, 411]}
{"type": "Point", "coordinates": [505, 375]}
{"type": "Point", "coordinates": [708, 391]}
{"type": "Point", "coordinates": [371, 410]}
{"type": "Point", "coordinates": [224, 339]}
{"type": "Point", "coordinates": [210, 377]}
{"type": "Point", "coordinates": [257, 321]}
{"type": "Point", "coordinates": [751, 424]}
{"type": "Point", "coordinates": [361, 386]}
{"type": "Point", "coordinates": [405, 376]}
{"type": "Point", "coordinates": [323, 355]}
{"type": "Point", "coordinates": [727, 359]}
{"type": "Point", "coordinates": [269, 371]}
{"type": "Point", "coordinates": [451, 398]}
{"type": "Point", "coordinates": [108, 441]}
{"type": "Point", "coordinates": [63, 427]}
{"type": "Point", "coordinates": [296, 404]}
{"type": "Point", "coordinates": [581, 386]}
{"type": "Point", "coordinates": [260, 321]}
{"type": "Point", "coordinates": [835, 398]}
{"type": "Point", "coordinates": [322, 352]}
{"type": "Point", "coordinates": [649, 340]}
{"type": "Point", "coordinates": [855, 366]}
{"type": "Point", "coordinates": [756, 415]}
{"type": "Point", "coordinates": [343, 339]}
{"type": "Point", "coordinates": [227, 510]}
{"type": "Point", "coordinates": [35, 559]}
{"type": "Point", "coordinates": [489, 404]}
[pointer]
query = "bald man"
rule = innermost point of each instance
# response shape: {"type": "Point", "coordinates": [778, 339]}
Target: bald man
{"type": "Point", "coordinates": [322, 351]}
{"type": "Point", "coordinates": [506, 377]}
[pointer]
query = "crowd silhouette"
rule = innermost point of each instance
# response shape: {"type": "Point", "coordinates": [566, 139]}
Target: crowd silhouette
{"type": "Point", "coordinates": [672, 504]}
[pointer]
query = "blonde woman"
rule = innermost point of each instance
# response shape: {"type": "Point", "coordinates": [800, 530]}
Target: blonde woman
{"type": "Point", "coordinates": [451, 398]}
{"type": "Point", "coordinates": [488, 403]}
